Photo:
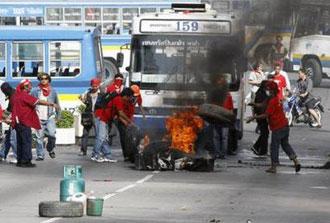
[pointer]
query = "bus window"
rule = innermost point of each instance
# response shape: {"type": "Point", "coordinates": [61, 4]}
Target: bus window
{"type": "Point", "coordinates": [92, 14]}
{"type": "Point", "coordinates": [147, 10]}
{"type": "Point", "coordinates": [31, 21]}
{"type": "Point", "coordinates": [65, 58]}
{"type": "Point", "coordinates": [307, 23]}
{"type": "Point", "coordinates": [72, 14]}
{"type": "Point", "coordinates": [324, 27]}
{"type": "Point", "coordinates": [2, 60]}
{"type": "Point", "coordinates": [27, 59]}
{"type": "Point", "coordinates": [8, 21]}
{"type": "Point", "coordinates": [111, 21]}
{"type": "Point", "coordinates": [54, 14]}
{"type": "Point", "coordinates": [128, 14]}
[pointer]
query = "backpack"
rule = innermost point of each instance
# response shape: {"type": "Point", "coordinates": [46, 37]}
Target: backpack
{"type": "Point", "coordinates": [104, 98]}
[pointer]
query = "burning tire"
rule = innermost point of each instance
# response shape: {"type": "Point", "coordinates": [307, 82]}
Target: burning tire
{"type": "Point", "coordinates": [60, 209]}
{"type": "Point", "coordinates": [215, 113]}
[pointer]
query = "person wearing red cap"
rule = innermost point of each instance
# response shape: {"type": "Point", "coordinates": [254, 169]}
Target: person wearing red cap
{"type": "Point", "coordinates": [279, 126]}
{"type": "Point", "coordinates": [47, 116]}
{"type": "Point", "coordinates": [24, 117]}
{"type": "Point", "coordinates": [87, 117]}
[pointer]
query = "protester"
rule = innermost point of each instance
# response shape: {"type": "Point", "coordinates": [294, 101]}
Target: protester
{"type": "Point", "coordinates": [117, 84]}
{"type": "Point", "coordinates": [87, 117]}
{"type": "Point", "coordinates": [255, 78]}
{"type": "Point", "coordinates": [260, 147]}
{"type": "Point", "coordinates": [103, 119]}
{"type": "Point", "coordinates": [220, 95]}
{"type": "Point", "coordinates": [24, 117]}
{"type": "Point", "coordinates": [278, 52]}
{"type": "Point", "coordinates": [10, 137]}
{"type": "Point", "coordinates": [281, 82]}
{"type": "Point", "coordinates": [279, 126]}
{"type": "Point", "coordinates": [47, 116]}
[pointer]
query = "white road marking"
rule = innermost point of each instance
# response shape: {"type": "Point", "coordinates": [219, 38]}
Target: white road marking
{"type": "Point", "coordinates": [144, 179]}
{"type": "Point", "coordinates": [320, 187]}
{"type": "Point", "coordinates": [108, 196]}
{"type": "Point", "coordinates": [120, 190]}
{"type": "Point", "coordinates": [125, 188]}
{"type": "Point", "coordinates": [51, 220]}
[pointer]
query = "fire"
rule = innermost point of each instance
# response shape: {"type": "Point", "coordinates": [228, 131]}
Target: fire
{"type": "Point", "coordinates": [182, 128]}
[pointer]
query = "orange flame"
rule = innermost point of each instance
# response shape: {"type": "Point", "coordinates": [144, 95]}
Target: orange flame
{"type": "Point", "coordinates": [182, 128]}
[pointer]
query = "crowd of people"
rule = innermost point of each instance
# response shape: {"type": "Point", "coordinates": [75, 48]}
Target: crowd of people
{"type": "Point", "coordinates": [37, 109]}
{"type": "Point", "coordinates": [267, 96]}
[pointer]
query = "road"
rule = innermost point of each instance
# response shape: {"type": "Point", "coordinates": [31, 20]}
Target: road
{"type": "Point", "coordinates": [238, 191]}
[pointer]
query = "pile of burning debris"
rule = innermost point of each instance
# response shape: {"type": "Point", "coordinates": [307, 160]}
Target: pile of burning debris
{"type": "Point", "coordinates": [184, 146]}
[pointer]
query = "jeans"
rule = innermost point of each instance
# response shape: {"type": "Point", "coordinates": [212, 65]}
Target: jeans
{"type": "Point", "coordinates": [220, 139]}
{"type": "Point", "coordinates": [281, 137]}
{"type": "Point", "coordinates": [10, 141]}
{"type": "Point", "coordinates": [205, 142]}
{"type": "Point", "coordinates": [48, 128]}
{"type": "Point", "coordinates": [101, 140]}
{"type": "Point", "coordinates": [261, 145]}
{"type": "Point", "coordinates": [24, 143]}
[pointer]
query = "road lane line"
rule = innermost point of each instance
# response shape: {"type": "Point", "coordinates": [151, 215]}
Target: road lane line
{"type": "Point", "coordinates": [125, 188]}
{"type": "Point", "coordinates": [144, 179]}
{"type": "Point", "coordinates": [109, 195]}
{"type": "Point", "coordinates": [51, 220]}
{"type": "Point", "coordinates": [120, 190]}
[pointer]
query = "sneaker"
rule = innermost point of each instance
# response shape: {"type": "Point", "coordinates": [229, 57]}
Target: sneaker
{"type": "Point", "coordinates": [13, 161]}
{"type": "Point", "coordinates": [98, 160]}
{"type": "Point", "coordinates": [52, 155]}
{"type": "Point", "coordinates": [109, 160]}
{"type": "Point", "coordinates": [271, 170]}
{"type": "Point", "coordinates": [39, 158]}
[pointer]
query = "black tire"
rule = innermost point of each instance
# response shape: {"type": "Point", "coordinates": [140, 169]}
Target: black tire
{"type": "Point", "coordinates": [60, 209]}
{"type": "Point", "coordinates": [314, 70]}
{"type": "Point", "coordinates": [216, 113]}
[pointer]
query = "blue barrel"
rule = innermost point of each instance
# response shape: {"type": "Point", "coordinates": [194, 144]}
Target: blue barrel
{"type": "Point", "coordinates": [72, 182]}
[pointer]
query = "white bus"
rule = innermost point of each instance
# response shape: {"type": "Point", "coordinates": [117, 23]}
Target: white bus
{"type": "Point", "coordinates": [173, 54]}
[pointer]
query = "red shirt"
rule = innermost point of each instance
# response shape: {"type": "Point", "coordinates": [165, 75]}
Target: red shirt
{"type": "Point", "coordinates": [281, 84]}
{"type": "Point", "coordinates": [24, 110]}
{"type": "Point", "coordinates": [108, 114]}
{"type": "Point", "coordinates": [129, 107]}
{"type": "Point", "coordinates": [276, 116]}
{"type": "Point", "coordinates": [228, 103]}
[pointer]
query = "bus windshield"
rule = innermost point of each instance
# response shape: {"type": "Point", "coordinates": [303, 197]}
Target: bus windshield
{"type": "Point", "coordinates": [173, 61]}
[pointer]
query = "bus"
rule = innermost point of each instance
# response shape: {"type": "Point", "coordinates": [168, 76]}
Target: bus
{"type": "Point", "coordinates": [304, 27]}
{"type": "Point", "coordinates": [173, 55]}
{"type": "Point", "coordinates": [113, 16]}
{"type": "Point", "coordinates": [72, 56]}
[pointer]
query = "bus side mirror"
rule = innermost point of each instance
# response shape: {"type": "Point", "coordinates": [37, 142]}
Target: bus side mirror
{"type": "Point", "coordinates": [120, 59]}
{"type": "Point", "coordinates": [128, 69]}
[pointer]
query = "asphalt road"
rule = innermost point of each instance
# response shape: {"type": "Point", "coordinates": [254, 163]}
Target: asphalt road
{"type": "Point", "coordinates": [238, 191]}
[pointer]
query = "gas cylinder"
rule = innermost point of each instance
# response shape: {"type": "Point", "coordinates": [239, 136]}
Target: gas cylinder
{"type": "Point", "coordinates": [72, 183]}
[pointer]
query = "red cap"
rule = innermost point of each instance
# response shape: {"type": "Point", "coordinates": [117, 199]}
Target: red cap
{"type": "Point", "coordinates": [95, 82]}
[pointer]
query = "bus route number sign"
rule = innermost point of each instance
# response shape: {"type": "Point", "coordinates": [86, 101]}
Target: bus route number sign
{"type": "Point", "coordinates": [185, 26]}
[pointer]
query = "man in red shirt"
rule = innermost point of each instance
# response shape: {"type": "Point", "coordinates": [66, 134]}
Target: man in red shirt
{"type": "Point", "coordinates": [103, 118]}
{"type": "Point", "coordinates": [24, 117]}
{"type": "Point", "coordinates": [279, 126]}
{"type": "Point", "coordinates": [280, 80]}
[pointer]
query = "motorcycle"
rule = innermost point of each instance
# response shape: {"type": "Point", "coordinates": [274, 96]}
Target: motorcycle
{"type": "Point", "coordinates": [292, 106]}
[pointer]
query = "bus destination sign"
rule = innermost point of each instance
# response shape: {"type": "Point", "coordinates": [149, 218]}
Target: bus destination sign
{"type": "Point", "coordinates": [185, 26]}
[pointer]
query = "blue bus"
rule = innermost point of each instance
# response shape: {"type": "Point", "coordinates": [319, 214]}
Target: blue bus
{"type": "Point", "coordinates": [72, 56]}
{"type": "Point", "coordinates": [113, 16]}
